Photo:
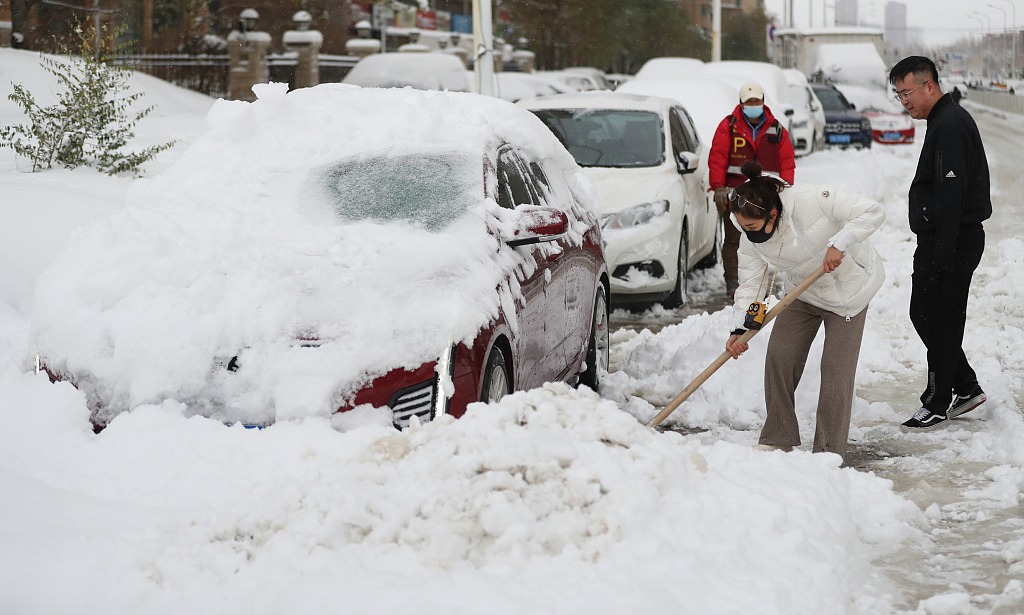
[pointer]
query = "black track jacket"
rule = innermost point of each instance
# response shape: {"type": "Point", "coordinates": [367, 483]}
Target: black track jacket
{"type": "Point", "coordinates": [951, 186]}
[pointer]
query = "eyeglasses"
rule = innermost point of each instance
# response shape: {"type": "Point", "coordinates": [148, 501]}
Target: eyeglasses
{"type": "Point", "coordinates": [903, 96]}
{"type": "Point", "coordinates": [736, 196]}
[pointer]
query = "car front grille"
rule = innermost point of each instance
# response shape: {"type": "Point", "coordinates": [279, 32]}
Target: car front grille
{"type": "Point", "coordinates": [417, 400]}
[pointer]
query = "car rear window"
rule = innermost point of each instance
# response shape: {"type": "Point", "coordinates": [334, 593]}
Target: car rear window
{"type": "Point", "coordinates": [608, 137]}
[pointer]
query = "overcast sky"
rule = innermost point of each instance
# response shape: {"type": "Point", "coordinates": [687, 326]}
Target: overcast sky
{"type": "Point", "coordinates": [942, 21]}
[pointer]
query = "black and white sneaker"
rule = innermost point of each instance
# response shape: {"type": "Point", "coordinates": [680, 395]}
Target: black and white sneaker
{"type": "Point", "coordinates": [924, 419]}
{"type": "Point", "coordinates": [962, 404]}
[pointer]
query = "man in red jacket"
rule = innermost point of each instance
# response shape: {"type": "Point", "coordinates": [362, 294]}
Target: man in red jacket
{"type": "Point", "coordinates": [750, 132]}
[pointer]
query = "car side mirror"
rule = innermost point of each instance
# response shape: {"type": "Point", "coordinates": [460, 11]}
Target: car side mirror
{"type": "Point", "coordinates": [538, 225]}
{"type": "Point", "coordinates": [687, 163]}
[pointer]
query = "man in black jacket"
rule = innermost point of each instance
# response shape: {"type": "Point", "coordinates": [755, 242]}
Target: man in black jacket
{"type": "Point", "coordinates": [949, 199]}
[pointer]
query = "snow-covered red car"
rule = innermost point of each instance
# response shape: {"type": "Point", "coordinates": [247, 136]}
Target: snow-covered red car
{"type": "Point", "coordinates": [400, 252]}
{"type": "Point", "coordinates": [889, 127]}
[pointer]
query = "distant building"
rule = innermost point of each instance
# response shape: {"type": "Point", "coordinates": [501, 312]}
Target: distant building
{"type": "Point", "coordinates": [846, 13]}
{"type": "Point", "coordinates": [896, 27]}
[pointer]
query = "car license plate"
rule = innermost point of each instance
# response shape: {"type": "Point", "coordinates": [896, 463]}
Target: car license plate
{"type": "Point", "coordinates": [892, 136]}
{"type": "Point", "coordinates": [839, 138]}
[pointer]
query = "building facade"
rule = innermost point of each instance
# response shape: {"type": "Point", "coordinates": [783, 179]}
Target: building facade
{"type": "Point", "coordinates": [896, 27]}
{"type": "Point", "coordinates": [846, 13]}
{"type": "Point", "coordinates": [702, 12]}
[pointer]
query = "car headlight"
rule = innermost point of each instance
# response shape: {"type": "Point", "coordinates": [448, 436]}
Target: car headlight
{"type": "Point", "coordinates": [634, 216]}
{"type": "Point", "coordinates": [865, 124]}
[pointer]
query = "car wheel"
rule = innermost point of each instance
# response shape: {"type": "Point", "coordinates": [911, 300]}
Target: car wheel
{"type": "Point", "coordinates": [597, 347]}
{"type": "Point", "coordinates": [711, 259]}
{"type": "Point", "coordinates": [496, 380]}
{"type": "Point", "coordinates": [678, 295]}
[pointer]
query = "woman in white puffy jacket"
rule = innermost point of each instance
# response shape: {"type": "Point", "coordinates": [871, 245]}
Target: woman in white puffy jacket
{"type": "Point", "coordinates": [793, 231]}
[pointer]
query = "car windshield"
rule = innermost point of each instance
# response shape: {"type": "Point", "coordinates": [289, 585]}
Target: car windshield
{"type": "Point", "coordinates": [431, 190]}
{"type": "Point", "coordinates": [831, 99]}
{"type": "Point", "coordinates": [608, 137]}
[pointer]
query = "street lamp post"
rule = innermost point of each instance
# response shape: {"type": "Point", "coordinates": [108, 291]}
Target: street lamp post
{"type": "Point", "coordinates": [1002, 40]}
{"type": "Point", "coordinates": [1013, 13]}
{"type": "Point", "coordinates": [716, 30]}
{"type": "Point", "coordinates": [984, 34]}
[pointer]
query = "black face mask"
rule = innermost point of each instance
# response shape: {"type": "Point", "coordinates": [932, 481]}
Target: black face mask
{"type": "Point", "coordinates": [760, 236]}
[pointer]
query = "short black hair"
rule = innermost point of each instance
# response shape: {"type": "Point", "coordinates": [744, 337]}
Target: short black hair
{"type": "Point", "coordinates": [922, 68]}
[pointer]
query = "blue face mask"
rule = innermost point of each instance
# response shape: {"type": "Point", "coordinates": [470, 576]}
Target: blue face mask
{"type": "Point", "coordinates": [753, 112]}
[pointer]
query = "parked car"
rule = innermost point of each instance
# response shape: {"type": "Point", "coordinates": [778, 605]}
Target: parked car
{"type": "Point", "coordinates": [890, 127]}
{"type": "Point", "coordinates": [890, 122]}
{"type": "Point", "coordinates": [808, 128]}
{"type": "Point", "coordinates": [333, 247]}
{"type": "Point", "coordinates": [599, 77]}
{"type": "Point", "coordinates": [648, 164]}
{"type": "Point", "coordinates": [668, 67]}
{"type": "Point", "coordinates": [844, 125]}
{"type": "Point", "coordinates": [422, 71]}
{"type": "Point", "coordinates": [574, 80]}
{"type": "Point", "coordinates": [514, 86]}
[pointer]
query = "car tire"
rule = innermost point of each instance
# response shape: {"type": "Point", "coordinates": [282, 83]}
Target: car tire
{"type": "Point", "coordinates": [599, 343]}
{"type": "Point", "coordinates": [711, 259]}
{"type": "Point", "coordinates": [496, 383]}
{"type": "Point", "coordinates": [677, 297]}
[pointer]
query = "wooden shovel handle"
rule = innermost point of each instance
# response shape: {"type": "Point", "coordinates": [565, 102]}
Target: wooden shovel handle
{"type": "Point", "coordinates": [722, 358]}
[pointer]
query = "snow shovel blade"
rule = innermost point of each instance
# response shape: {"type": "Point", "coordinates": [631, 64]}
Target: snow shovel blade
{"type": "Point", "coordinates": [722, 358]}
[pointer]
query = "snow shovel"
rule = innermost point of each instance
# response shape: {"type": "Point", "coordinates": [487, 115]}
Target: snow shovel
{"type": "Point", "coordinates": [722, 358]}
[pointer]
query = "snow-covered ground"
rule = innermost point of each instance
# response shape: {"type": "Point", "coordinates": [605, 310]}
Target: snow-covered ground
{"type": "Point", "coordinates": [553, 500]}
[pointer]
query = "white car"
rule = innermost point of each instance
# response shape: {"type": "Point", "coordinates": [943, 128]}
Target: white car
{"type": "Point", "coordinates": [808, 128]}
{"type": "Point", "coordinates": [648, 163]}
{"type": "Point", "coordinates": [662, 68]}
{"type": "Point", "coordinates": [514, 87]}
{"type": "Point", "coordinates": [575, 81]}
{"type": "Point", "coordinates": [420, 71]}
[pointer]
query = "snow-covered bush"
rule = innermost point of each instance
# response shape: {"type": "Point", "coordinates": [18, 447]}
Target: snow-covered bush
{"type": "Point", "coordinates": [91, 122]}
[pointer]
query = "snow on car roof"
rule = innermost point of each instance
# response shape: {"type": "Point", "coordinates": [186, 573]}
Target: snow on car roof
{"type": "Point", "coordinates": [425, 71]}
{"type": "Point", "coordinates": [603, 99]}
{"type": "Point", "coordinates": [707, 98]}
{"type": "Point", "coordinates": [233, 251]}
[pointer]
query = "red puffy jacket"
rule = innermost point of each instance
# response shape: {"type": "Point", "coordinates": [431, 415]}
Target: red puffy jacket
{"type": "Point", "coordinates": [734, 144]}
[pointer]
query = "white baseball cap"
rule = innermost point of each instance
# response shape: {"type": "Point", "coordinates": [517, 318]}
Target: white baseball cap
{"type": "Point", "coordinates": [751, 90]}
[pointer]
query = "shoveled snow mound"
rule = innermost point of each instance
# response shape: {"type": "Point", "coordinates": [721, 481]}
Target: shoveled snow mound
{"type": "Point", "coordinates": [547, 485]}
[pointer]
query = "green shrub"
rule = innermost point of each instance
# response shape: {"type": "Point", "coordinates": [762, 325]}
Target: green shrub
{"type": "Point", "coordinates": [91, 122]}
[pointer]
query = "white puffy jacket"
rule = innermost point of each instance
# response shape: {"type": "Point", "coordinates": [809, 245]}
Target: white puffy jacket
{"type": "Point", "coordinates": [816, 217]}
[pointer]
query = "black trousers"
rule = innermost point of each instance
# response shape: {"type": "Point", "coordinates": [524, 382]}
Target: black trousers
{"type": "Point", "coordinates": [938, 309]}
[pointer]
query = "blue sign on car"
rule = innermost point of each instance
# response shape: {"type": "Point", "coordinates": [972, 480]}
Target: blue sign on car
{"type": "Point", "coordinates": [892, 136]}
{"type": "Point", "coordinates": [838, 138]}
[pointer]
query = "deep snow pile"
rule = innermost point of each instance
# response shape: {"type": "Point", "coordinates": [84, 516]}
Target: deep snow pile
{"type": "Point", "coordinates": [552, 489]}
{"type": "Point", "coordinates": [551, 501]}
